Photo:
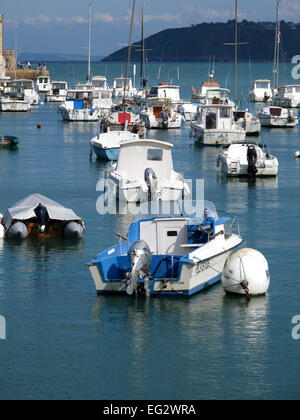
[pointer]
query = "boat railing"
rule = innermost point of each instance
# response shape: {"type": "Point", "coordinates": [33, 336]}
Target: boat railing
{"type": "Point", "coordinates": [234, 222]}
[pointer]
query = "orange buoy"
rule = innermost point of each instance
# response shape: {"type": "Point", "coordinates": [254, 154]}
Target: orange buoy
{"type": "Point", "coordinates": [39, 125]}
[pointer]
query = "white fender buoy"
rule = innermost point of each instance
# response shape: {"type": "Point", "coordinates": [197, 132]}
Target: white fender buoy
{"type": "Point", "coordinates": [246, 273]}
{"type": "Point", "coordinates": [73, 230]}
{"type": "Point", "coordinates": [18, 230]}
{"type": "Point", "coordinates": [2, 231]}
{"type": "Point", "coordinates": [297, 154]}
{"type": "Point", "coordinates": [1, 217]}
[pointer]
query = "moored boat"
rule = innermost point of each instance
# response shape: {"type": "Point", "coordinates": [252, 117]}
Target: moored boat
{"type": "Point", "coordinates": [38, 216]}
{"type": "Point", "coordinates": [8, 142]}
{"type": "Point", "coordinates": [167, 254]}
{"type": "Point", "coordinates": [106, 145]}
{"type": "Point", "coordinates": [247, 159]}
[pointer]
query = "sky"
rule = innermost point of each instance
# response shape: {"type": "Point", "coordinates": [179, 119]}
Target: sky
{"type": "Point", "coordinates": [61, 26]}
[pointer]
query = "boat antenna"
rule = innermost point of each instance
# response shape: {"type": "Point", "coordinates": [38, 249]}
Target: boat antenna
{"type": "Point", "coordinates": [276, 49]}
{"type": "Point", "coordinates": [128, 61]}
{"type": "Point", "coordinates": [88, 78]}
{"type": "Point", "coordinates": [236, 44]}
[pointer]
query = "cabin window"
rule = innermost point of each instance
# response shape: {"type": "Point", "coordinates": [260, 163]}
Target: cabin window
{"type": "Point", "coordinates": [172, 233]}
{"type": "Point", "coordinates": [297, 89]}
{"type": "Point", "coordinates": [154, 91]}
{"type": "Point", "coordinates": [262, 86]}
{"type": "Point", "coordinates": [225, 113]}
{"type": "Point", "coordinates": [155, 154]}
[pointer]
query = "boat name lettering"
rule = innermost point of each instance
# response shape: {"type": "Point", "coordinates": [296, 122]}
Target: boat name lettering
{"type": "Point", "coordinates": [201, 266]}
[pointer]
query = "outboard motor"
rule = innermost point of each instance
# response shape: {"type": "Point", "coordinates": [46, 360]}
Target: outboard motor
{"type": "Point", "coordinates": [18, 231]}
{"type": "Point", "coordinates": [151, 181]}
{"type": "Point", "coordinates": [252, 158]}
{"type": "Point", "coordinates": [73, 230]}
{"type": "Point", "coordinates": [42, 216]}
{"type": "Point", "coordinates": [165, 119]}
{"type": "Point", "coordinates": [140, 258]}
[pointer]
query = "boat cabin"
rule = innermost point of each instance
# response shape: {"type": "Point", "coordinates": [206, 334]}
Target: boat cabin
{"type": "Point", "coordinates": [137, 155]}
{"type": "Point", "coordinates": [217, 117]}
{"type": "Point", "coordinates": [156, 105]}
{"type": "Point", "coordinates": [59, 88]}
{"type": "Point", "coordinates": [264, 85]}
{"type": "Point", "coordinates": [99, 83]}
{"type": "Point", "coordinates": [217, 96]}
{"type": "Point", "coordinates": [164, 90]}
{"type": "Point", "coordinates": [81, 98]}
{"type": "Point", "coordinates": [43, 84]}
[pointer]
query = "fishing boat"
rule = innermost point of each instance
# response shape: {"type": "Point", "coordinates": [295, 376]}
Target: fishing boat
{"type": "Point", "coordinates": [8, 142]}
{"type": "Point", "coordinates": [199, 96]}
{"type": "Point", "coordinates": [275, 116]}
{"type": "Point", "coordinates": [188, 110]}
{"type": "Point", "coordinates": [165, 90]}
{"type": "Point", "coordinates": [261, 91]}
{"type": "Point", "coordinates": [99, 83]}
{"type": "Point", "coordinates": [30, 94]}
{"type": "Point", "coordinates": [106, 145]}
{"type": "Point", "coordinates": [247, 159]}
{"type": "Point", "coordinates": [144, 171]}
{"type": "Point", "coordinates": [80, 105]}
{"type": "Point", "coordinates": [159, 113]}
{"type": "Point", "coordinates": [38, 216]}
{"type": "Point", "coordinates": [215, 125]}
{"type": "Point", "coordinates": [43, 84]}
{"type": "Point", "coordinates": [122, 115]}
{"type": "Point", "coordinates": [58, 92]}
{"type": "Point", "coordinates": [13, 100]}
{"type": "Point", "coordinates": [168, 254]}
{"type": "Point", "coordinates": [287, 96]}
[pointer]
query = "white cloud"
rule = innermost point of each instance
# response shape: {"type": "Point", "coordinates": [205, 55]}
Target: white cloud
{"type": "Point", "coordinates": [103, 17]}
{"type": "Point", "coordinates": [165, 17]}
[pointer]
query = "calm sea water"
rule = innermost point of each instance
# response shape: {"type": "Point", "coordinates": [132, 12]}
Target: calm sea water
{"type": "Point", "coordinates": [65, 342]}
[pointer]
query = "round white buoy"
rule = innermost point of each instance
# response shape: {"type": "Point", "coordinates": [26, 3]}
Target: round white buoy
{"type": "Point", "coordinates": [246, 273]}
{"type": "Point", "coordinates": [297, 154]}
{"type": "Point", "coordinates": [2, 231]}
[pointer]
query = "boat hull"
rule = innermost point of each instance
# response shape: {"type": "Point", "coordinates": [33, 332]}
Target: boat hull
{"type": "Point", "coordinates": [106, 154]}
{"type": "Point", "coordinates": [217, 137]}
{"type": "Point", "coordinates": [194, 277]}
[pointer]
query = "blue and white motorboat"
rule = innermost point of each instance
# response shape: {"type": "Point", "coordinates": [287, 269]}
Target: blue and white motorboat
{"type": "Point", "coordinates": [106, 145]}
{"type": "Point", "coordinates": [168, 254]}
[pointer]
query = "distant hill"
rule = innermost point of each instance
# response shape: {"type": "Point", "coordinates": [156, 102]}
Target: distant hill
{"type": "Point", "coordinates": [202, 41]}
{"type": "Point", "coordinates": [54, 57]}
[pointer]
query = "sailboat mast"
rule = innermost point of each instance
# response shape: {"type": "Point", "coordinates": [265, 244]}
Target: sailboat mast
{"type": "Point", "coordinates": [143, 52]}
{"type": "Point", "coordinates": [236, 53]}
{"type": "Point", "coordinates": [90, 35]}
{"type": "Point", "coordinates": [276, 49]}
{"type": "Point", "coordinates": [128, 61]}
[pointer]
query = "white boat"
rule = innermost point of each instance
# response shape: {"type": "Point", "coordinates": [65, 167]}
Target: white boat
{"type": "Point", "coordinates": [43, 84]}
{"type": "Point", "coordinates": [80, 105]}
{"type": "Point", "coordinates": [119, 87]}
{"type": "Point", "coordinates": [13, 99]}
{"type": "Point", "coordinates": [144, 171]}
{"type": "Point", "coordinates": [275, 116]}
{"type": "Point", "coordinates": [30, 93]}
{"type": "Point", "coordinates": [106, 145]}
{"type": "Point", "coordinates": [246, 159]}
{"type": "Point", "coordinates": [249, 122]}
{"type": "Point", "coordinates": [160, 113]}
{"type": "Point", "coordinates": [58, 92]}
{"type": "Point", "coordinates": [179, 253]}
{"type": "Point", "coordinates": [288, 96]}
{"type": "Point", "coordinates": [215, 126]}
{"type": "Point", "coordinates": [261, 91]}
